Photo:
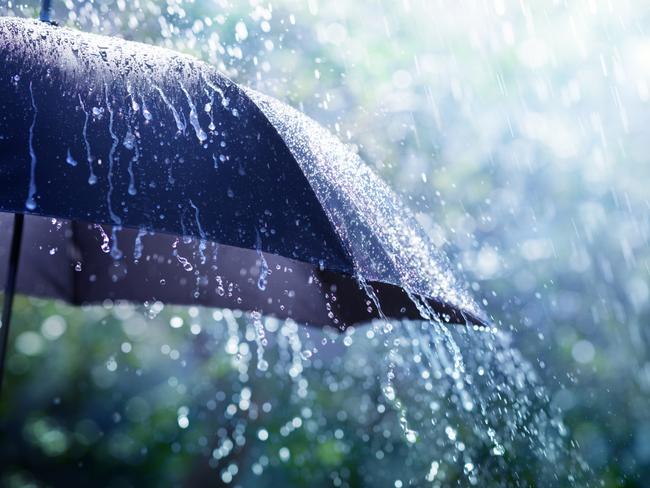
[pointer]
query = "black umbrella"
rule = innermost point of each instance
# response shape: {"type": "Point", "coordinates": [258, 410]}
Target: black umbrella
{"type": "Point", "coordinates": [113, 149]}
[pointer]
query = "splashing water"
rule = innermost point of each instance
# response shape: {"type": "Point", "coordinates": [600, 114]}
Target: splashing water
{"type": "Point", "coordinates": [389, 389]}
{"type": "Point", "coordinates": [508, 398]}
{"type": "Point", "coordinates": [381, 234]}
{"type": "Point", "coordinates": [464, 390]}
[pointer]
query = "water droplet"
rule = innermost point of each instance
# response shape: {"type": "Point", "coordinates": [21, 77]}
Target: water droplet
{"type": "Point", "coordinates": [498, 450]}
{"type": "Point", "coordinates": [306, 354]}
{"type": "Point", "coordinates": [105, 247]}
{"type": "Point", "coordinates": [187, 266]}
{"type": "Point", "coordinates": [262, 281]}
{"type": "Point", "coordinates": [411, 436]}
{"type": "Point", "coordinates": [70, 160]}
{"type": "Point", "coordinates": [129, 140]}
{"type": "Point", "coordinates": [389, 393]}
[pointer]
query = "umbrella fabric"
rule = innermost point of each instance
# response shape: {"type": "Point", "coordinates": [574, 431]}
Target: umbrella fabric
{"type": "Point", "coordinates": [152, 144]}
{"type": "Point", "coordinates": [69, 261]}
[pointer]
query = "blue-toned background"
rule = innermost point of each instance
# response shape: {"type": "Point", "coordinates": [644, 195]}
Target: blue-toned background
{"type": "Point", "coordinates": [517, 130]}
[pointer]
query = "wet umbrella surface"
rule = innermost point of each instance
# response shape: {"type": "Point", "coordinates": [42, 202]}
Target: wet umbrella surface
{"type": "Point", "coordinates": [147, 176]}
{"type": "Point", "coordinates": [159, 142]}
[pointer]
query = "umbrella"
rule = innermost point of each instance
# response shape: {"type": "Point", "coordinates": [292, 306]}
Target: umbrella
{"type": "Point", "coordinates": [141, 174]}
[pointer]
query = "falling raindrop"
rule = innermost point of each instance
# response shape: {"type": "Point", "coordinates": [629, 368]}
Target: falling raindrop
{"type": "Point", "coordinates": [260, 339]}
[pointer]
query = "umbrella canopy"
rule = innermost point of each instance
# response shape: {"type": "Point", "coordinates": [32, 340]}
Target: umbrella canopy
{"type": "Point", "coordinates": [128, 146]}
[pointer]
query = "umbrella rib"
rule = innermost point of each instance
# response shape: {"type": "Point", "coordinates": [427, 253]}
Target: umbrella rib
{"type": "Point", "coordinates": [10, 287]}
{"type": "Point", "coordinates": [343, 245]}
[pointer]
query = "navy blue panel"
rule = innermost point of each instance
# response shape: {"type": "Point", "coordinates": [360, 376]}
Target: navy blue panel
{"type": "Point", "coordinates": [136, 117]}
